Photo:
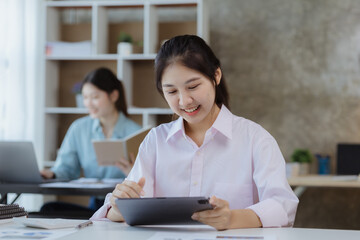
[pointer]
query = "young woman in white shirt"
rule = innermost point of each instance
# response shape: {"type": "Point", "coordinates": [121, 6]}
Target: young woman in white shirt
{"type": "Point", "coordinates": [207, 151]}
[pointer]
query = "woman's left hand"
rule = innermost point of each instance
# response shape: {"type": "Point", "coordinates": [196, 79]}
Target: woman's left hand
{"type": "Point", "coordinates": [218, 218]}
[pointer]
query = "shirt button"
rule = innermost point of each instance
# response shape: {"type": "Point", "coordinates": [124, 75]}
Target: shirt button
{"type": "Point", "coordinates": [195, 183]}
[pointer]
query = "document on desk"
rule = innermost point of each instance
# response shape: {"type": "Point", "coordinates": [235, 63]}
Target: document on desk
{"type": "Point", "coordinates": [16, 232]}
{"type": "Point", "coordinates": [54, 223]}
{"type": "Point", "coordinates": [205, 236]}
{"type": "Point", "coordinates": [85, 183]}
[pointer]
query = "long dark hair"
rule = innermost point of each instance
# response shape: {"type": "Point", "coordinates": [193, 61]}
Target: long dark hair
{"type": "Point", "coordinates": [192, 52]}
{"type": "Point", "coordinates": [104, 79]}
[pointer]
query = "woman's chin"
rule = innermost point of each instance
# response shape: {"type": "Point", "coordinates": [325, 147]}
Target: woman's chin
{"type": "Point", "coordinates": [93, 115]}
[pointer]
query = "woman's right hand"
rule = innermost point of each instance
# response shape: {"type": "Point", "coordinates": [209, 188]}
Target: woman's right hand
{"type": "Point", "coordinates": [47, 174]}
{"type": "Point", "coordinates": [126, 189]}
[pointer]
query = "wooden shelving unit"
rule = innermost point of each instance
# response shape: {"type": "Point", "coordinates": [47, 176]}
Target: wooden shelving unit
{"type": "Point", "coordinates": [99, 22]}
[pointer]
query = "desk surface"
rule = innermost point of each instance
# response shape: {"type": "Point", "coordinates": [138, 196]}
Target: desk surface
{"type": "Point", "coordinates": [111, 230]}
{"type": "Point", "coordinates": [36, 188]}
{"type": "Point", "coordinates": [325, 181]}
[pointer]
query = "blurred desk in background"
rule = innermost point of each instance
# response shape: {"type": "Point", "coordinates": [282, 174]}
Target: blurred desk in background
{"type": "Point", "coordinates": [60, 188]}
{"type": "Point", "coordinates": [339, 181]}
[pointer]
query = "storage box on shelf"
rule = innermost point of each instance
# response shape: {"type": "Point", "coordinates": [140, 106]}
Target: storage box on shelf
{"type": "Point", "coordinates": [83, 35]}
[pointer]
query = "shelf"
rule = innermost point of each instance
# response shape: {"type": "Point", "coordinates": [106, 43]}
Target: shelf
{"type": "Point", "coordinates": [131, 110]}
{"type": "Point", "coordinates": [121, 3]}
{"type": "Point", "coordinates": [104, 57]}
{"type": "Point", "coordinates": [139, 57]}
{"type": "Point", "coordinates": [157, 111]}
{"type": "Point", "coordinates": [90, 57]}
{"type": "Point", "coordinates": [93, 27]}
{"type": "Point", "coordinates": [69, 4]}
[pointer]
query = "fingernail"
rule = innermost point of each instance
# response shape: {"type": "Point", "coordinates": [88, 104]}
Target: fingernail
{"type": "Point", "coordinates": [142, 193]}
{"type": "Point", "coordinates": [194, 216]}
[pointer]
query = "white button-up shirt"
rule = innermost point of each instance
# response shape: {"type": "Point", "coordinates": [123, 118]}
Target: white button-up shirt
{"type": "Point", "coordinates": [239, 162]}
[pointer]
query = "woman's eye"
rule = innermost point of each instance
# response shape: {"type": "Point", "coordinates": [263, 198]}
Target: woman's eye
{"type": "Point", "coordinates": [195, 86]}
{"type": "Point", "coordinates": [172, 92]}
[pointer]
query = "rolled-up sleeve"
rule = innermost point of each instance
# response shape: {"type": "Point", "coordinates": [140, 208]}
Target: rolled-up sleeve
{"type": "Point", "coordinates": [101, 213]}
{"type": "Point", "coordinates": [277, 202]}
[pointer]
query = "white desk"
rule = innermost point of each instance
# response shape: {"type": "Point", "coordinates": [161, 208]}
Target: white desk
{"type": "Point", "coordinates": [111, 230]}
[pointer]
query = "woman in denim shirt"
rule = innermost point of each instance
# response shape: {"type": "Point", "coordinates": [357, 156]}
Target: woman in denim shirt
{"type": "Point", "coordinates": [108, 119]}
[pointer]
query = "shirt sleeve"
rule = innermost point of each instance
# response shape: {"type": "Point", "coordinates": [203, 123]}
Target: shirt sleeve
{"type": "Point", "coordinates": [277, 202]}
{"type": "Point", "coordinates": [67, 165]}
{"type": "Point", "coordinates": [101, 213]}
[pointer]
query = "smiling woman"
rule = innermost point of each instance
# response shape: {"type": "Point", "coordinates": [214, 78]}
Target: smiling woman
{"type": "Point", "coordinates": [207, 151]}
{"type": "Point", "coordinates": [104, 98]}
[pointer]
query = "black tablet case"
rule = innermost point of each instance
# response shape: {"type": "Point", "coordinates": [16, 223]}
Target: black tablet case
{"type": "Point", "coordinates": [171, 210]}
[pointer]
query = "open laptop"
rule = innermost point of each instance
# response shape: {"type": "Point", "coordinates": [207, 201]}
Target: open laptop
{"type": "Point", "coordinates": [18, 163]}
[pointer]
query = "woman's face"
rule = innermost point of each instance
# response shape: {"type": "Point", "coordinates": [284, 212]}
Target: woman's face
{"type": "Point", "coordinates": [190, 94]}
{"type": "Point", "coordinates": [99, 103]}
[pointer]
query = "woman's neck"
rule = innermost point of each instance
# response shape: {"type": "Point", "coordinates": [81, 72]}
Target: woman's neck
{"type": "Point", "coordinates": [108, 123]}
{"type": "Point", "coordinates": [197, 131]}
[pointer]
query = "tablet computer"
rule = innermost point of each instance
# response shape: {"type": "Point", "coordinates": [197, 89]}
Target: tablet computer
{"type": "Point", "coordinates": [167, 210]}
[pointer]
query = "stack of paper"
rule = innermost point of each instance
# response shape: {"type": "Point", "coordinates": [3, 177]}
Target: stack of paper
{"type": "Point", "coordinates": [7, 212]}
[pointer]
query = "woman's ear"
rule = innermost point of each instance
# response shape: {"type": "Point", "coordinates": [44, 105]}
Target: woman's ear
{"type": "Point", "coordinates": [218, 75]}
{"type": "Point", "coordinates": [114, 96]}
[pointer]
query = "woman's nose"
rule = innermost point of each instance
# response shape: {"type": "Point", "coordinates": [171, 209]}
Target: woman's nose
{"type": "Point", "coordinates": [185, 99]}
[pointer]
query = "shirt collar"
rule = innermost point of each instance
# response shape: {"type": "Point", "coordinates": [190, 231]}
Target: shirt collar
{"type": "Point", "coordinates": [223, 124]}
{"type": "Point", "coordinates": [176, 127]}
{"type": "Point", "coordinates": [96, 126]}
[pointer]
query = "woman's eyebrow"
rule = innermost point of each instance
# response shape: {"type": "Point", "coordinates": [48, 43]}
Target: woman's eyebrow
{"type": "Point", "coordinates": [187, 82]}
{"type": "Point", "coordinates": [192, 80]}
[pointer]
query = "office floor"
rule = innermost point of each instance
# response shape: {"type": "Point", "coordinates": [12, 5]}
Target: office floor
{"type": "Point", "coordinates": [333, 208]}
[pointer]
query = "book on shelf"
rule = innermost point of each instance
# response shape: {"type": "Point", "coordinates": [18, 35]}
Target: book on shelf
{"type": "Point", "coordinates": [68, 49]}
{"type": "Point", "coordinates": [8, 211]}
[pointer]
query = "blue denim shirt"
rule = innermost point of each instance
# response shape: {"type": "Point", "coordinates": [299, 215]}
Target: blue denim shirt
{"type": "Point", "coordinates": [77, 152]}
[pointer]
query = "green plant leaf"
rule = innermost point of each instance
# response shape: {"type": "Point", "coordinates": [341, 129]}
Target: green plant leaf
{"type": "Point", "coordinates": [301, 156]}
{"type": "Point", "coordinates": [125, 37]}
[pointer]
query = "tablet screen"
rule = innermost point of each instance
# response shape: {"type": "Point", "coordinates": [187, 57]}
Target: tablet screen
{"type": "Point", "coordinates": [171, 210]}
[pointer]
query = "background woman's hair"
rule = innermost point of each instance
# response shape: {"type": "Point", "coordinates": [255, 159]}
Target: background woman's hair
{"type": "Point", "coordinates": [192, 52]}
{"type": "Point", "coordinates": [105, 79]}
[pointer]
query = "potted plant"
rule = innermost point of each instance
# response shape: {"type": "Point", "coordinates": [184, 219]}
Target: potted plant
{"type": "Point", "coordinates": [302, 157]}
{"type": "Point", "coordinates": [76, 89]}
{"type": "Point", "coordinates": [125, 46]}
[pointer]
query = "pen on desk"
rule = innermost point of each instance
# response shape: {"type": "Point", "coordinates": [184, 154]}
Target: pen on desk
{"type": "Point", "coordinates": [84, 224]}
